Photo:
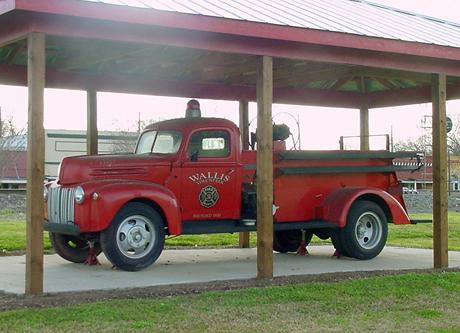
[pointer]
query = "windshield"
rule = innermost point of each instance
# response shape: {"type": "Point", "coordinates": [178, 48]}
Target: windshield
{"type": "Point", "coordinates": [159, 142]}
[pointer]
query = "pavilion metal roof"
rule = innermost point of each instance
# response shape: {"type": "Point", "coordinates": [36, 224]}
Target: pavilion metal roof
{"type": "Point", "coordinates": [345, 53]}
{"type": "Point", "coordinates": [357, 17]}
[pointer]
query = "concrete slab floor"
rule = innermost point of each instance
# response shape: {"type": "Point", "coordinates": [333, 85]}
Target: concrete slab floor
{"type": "Point", "coordinates": [204, 265]}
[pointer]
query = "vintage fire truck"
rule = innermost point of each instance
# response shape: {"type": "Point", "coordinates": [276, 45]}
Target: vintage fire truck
{"type": "Point", "coordinates": [191, 176]}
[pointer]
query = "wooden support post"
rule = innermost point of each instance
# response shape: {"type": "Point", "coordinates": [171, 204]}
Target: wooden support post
{"type": "Point", "coordinates": [363, 119]}
{"type": "Point", "coordinates": [244, 131]}
{"type": "Point", "coordinates": [364, 128]}
{"type": "Point", "coordinates": [91, 122]}
{"type": "Point", "coordinates": [244, 124]}
{"type": "Point", "coordinates": [440, 198]}
{"type": "Point", "coordinates": [35, 164]}
{"type": "Point", "coordinates": [264, 168]}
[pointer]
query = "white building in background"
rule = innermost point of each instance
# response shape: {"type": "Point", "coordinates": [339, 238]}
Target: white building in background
{"type": "Point", "coordinates": [63, 143]}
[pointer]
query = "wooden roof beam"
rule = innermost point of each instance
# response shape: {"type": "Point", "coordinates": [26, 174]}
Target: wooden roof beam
{"type": "Point", "coordinates": [16, 75]}
{"type": "Point", "coordinates": [228, 76]}
{"type": "Point", "coordinates": [20, 46]}
{"type": "Point", "coordinates": [383, 73]}
{"type": "Point", "coordinates": [341, 82]}
{"type": "Point", "coordinates": [13, 34]}
{"type": "Point", "coordinates": [247, 74]}
{"type": "Point", "coordinates": [387, 83]}
{"type": "Point", "coordinates": [211, 41]}
{"type": "Point", "coordinates": [238, 72]}
{"type": "Point", "coordinates": [407, 96]}
{"type": "Point", "coordinates": [82, 60]}
{"type": "Point", "coordinates": [335, 73]}
{"type": "Point", "coordinates": [210, 72]}
{"type": "Point", "coordinates": [133, 16]}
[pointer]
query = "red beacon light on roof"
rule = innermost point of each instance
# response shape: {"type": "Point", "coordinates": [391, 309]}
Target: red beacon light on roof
{"type": "Point", "coordinates": [193, 109]}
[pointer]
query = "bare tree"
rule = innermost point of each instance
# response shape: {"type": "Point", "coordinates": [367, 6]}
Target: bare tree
{"type": "Point", "coordinates": [126, 139]}
{"type": "Point", "coordinates": [422, 144]}
{"type": "Point", "coordinates": [125, 142]}
{"type": "Point", "coordinates": [453, 138]}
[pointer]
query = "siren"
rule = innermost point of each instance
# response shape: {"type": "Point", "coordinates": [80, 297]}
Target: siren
{"type": "Point", "coordinates": [193, 109]}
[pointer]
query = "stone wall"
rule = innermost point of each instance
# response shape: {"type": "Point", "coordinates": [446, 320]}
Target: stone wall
{"type": "Point", "coordinates": [15, 202]}
{"type": "Point", "coordinates": [422, 202]}
{"type": "Point", "coordinates": [12, 206]}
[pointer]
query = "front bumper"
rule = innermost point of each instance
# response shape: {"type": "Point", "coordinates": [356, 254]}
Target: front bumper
{"type": "Point", "coordinates": [62, 228]}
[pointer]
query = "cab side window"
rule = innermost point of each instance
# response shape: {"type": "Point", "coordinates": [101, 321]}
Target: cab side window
{"type": "Point", "coordinates": [209, 144]}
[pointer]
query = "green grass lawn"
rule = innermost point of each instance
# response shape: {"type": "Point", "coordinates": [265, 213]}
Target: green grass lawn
{"type": "Point", "coordinates": [405, 303]}
{"type": "Point", "coordinates": [420, 235]}
{"type": "Point", "coordinates": [12, 236]}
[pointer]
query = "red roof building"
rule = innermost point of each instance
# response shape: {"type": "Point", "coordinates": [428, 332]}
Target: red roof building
{"type": "Point", "coordinates": [13, 172]}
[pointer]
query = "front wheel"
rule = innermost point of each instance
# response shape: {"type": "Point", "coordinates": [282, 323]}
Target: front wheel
{"type": "Point", "coordinates": [72, 248]}
{"type": "Point", "coordinates": [135, 239]}
{"type": "Point", "coordinates": [365, 234]}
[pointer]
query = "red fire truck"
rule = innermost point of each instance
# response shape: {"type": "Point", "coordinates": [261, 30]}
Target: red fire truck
{"type": "Point", "coordinates": [191, 176]}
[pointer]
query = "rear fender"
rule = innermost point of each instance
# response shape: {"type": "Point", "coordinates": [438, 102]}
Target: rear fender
{"type": "Point", "coordinates": [336, 206]}
{"type": "Point", "coordinates": [112, 197]}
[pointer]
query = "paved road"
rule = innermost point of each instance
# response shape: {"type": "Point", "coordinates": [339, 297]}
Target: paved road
{"type": "Point", "coordinates": [203, 265]}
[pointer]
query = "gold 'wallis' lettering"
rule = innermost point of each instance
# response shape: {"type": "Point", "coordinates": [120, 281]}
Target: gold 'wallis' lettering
{"type": "Point", "coordinates": [194, 178]}
{"type": "Point", "coordinates": [209, 176]}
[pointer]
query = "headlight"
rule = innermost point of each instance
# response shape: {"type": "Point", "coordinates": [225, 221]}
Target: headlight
{"type": "Point", "coordinates": [45, 193]}
{"type": "Point", "coordinates": [79, 195]}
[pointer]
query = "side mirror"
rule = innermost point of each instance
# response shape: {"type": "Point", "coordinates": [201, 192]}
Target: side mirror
{"type": "Point", "coordinates": [253, 141]}
{"type": "Point", "coordinates": [194, 155]}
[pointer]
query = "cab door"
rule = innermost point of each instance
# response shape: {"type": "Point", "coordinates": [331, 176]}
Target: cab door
{"type": "Point", "coordinates": [210, 177]}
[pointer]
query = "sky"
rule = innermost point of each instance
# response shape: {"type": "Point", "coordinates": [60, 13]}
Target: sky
{"type": "Point", "coordinates": [320, 127]}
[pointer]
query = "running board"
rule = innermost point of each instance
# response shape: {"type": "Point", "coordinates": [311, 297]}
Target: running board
{"type": "Point", "coordinates": [230, 226]}
{"type": "Point", "coordinates": [420, 221]}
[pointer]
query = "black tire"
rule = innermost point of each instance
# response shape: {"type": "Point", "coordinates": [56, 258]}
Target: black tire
{"type": "Point", "coordinates": [336, 241]}
{"type": "Point", "coordinates": [289, 240]}
{"type": "Point", "coordinates": [366, 232]}
{"type": "Point", "coordinates": [135, 238]}
{"type": "Point", "coordinates": [72, 248]}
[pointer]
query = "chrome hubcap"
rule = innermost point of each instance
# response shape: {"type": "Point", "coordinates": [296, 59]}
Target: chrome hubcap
{"type": "Point", "coordinates": [368, 230]}
{"type": "Point", "coordinates": [135, 236]}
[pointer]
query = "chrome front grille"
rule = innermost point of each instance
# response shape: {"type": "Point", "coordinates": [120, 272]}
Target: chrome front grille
{"type": "Point", "coordinates": [61, 204]}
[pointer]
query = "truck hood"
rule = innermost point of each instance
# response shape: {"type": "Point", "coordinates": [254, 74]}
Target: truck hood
{"type": "Point", "coordinates": [149, 167]}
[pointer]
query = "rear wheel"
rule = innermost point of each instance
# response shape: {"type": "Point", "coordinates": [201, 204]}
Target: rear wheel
{"type": "Point", "coordinates": [135, 239]}
{"type": "Point", "coordinates": [336, 241]}
{"type": "Point", "coordinates": [289, 240]}
{"type": "Point", "coordinates": [365, 234]}
{"type": "Point", "coordinates": [72, 248]}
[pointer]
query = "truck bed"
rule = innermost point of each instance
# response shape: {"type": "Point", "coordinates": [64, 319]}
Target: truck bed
{"type": "Point", "coordinates": [304, 179]}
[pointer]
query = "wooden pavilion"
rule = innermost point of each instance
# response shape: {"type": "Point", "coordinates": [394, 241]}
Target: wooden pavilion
{"type": "Point", "coordinates": [339, 53]}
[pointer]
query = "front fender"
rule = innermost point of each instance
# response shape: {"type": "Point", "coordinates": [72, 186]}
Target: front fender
{"type": "Point", "coordinates": [97, 214]}
{"type": "Point", "coordinates": [336, 206]}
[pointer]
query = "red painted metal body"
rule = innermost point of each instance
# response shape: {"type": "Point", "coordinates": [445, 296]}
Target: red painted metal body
{"type": "Point", "coordinates": [307, 187]}
{"type": "Point", "coordinates": [329, 196]}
